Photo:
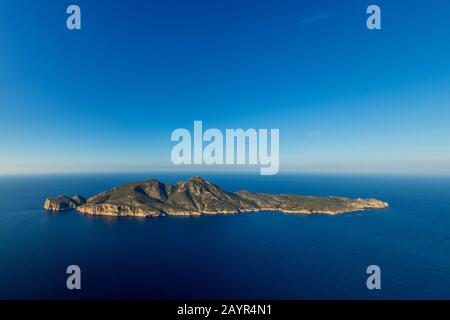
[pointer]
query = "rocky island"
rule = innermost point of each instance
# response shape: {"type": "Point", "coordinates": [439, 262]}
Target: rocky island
{"type": "Point", "coordinates": [197, 196]}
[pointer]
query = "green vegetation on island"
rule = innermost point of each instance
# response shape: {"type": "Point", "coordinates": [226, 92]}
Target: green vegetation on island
{"type": "Point", "coordinates": [197, 196]}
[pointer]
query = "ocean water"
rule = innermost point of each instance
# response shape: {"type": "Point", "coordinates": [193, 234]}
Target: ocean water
{"type": "Point", "coordinates": [267, 255]}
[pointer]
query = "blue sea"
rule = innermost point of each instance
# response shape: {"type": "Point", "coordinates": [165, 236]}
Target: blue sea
{"type": "Point", "coordinates": [267, 255]}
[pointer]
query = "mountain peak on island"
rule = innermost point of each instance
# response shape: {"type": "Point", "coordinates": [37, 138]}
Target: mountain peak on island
{"type": "Point", "coordinates": [197, 196]}
{"type": "Point", "coordinates": [197, 179]}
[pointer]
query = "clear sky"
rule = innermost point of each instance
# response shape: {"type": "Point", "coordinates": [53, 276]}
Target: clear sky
{"type": "Point", "coordinates": [107, 97]}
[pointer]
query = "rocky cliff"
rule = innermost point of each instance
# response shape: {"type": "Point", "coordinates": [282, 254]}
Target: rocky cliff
{"type": "Point", "coordinates": [61, 203]}
{"type": "Point", "coordinates": [197, 196]}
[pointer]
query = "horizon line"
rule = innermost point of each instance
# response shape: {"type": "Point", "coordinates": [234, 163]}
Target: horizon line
{"type": "Point", "coordinates": [247, 172]}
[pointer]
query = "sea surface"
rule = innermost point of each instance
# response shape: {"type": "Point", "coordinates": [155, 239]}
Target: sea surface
{"type": "Point", "coordinates": [266, 255]}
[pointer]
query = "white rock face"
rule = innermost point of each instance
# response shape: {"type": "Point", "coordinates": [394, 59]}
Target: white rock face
{"type": "Point", "coordinates": [62, 203]}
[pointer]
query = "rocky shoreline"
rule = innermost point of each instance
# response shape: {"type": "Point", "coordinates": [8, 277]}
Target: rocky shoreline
{"type": "Point", "coordinates": [197, 196]}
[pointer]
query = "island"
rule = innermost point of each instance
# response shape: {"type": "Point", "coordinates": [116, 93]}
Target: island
{"type": "Point", "coordinates": [197, 196]}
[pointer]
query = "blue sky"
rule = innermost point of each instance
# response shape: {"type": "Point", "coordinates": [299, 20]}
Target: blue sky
{"type": "Point", "coordinates": [107, 97]}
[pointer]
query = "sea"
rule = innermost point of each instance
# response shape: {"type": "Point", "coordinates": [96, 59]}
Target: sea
{"type": "Point", "coordinates": [265, 255]}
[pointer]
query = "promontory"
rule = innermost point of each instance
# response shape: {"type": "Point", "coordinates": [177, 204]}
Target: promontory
{"type": "Point", "coordinates": [197, 196]}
